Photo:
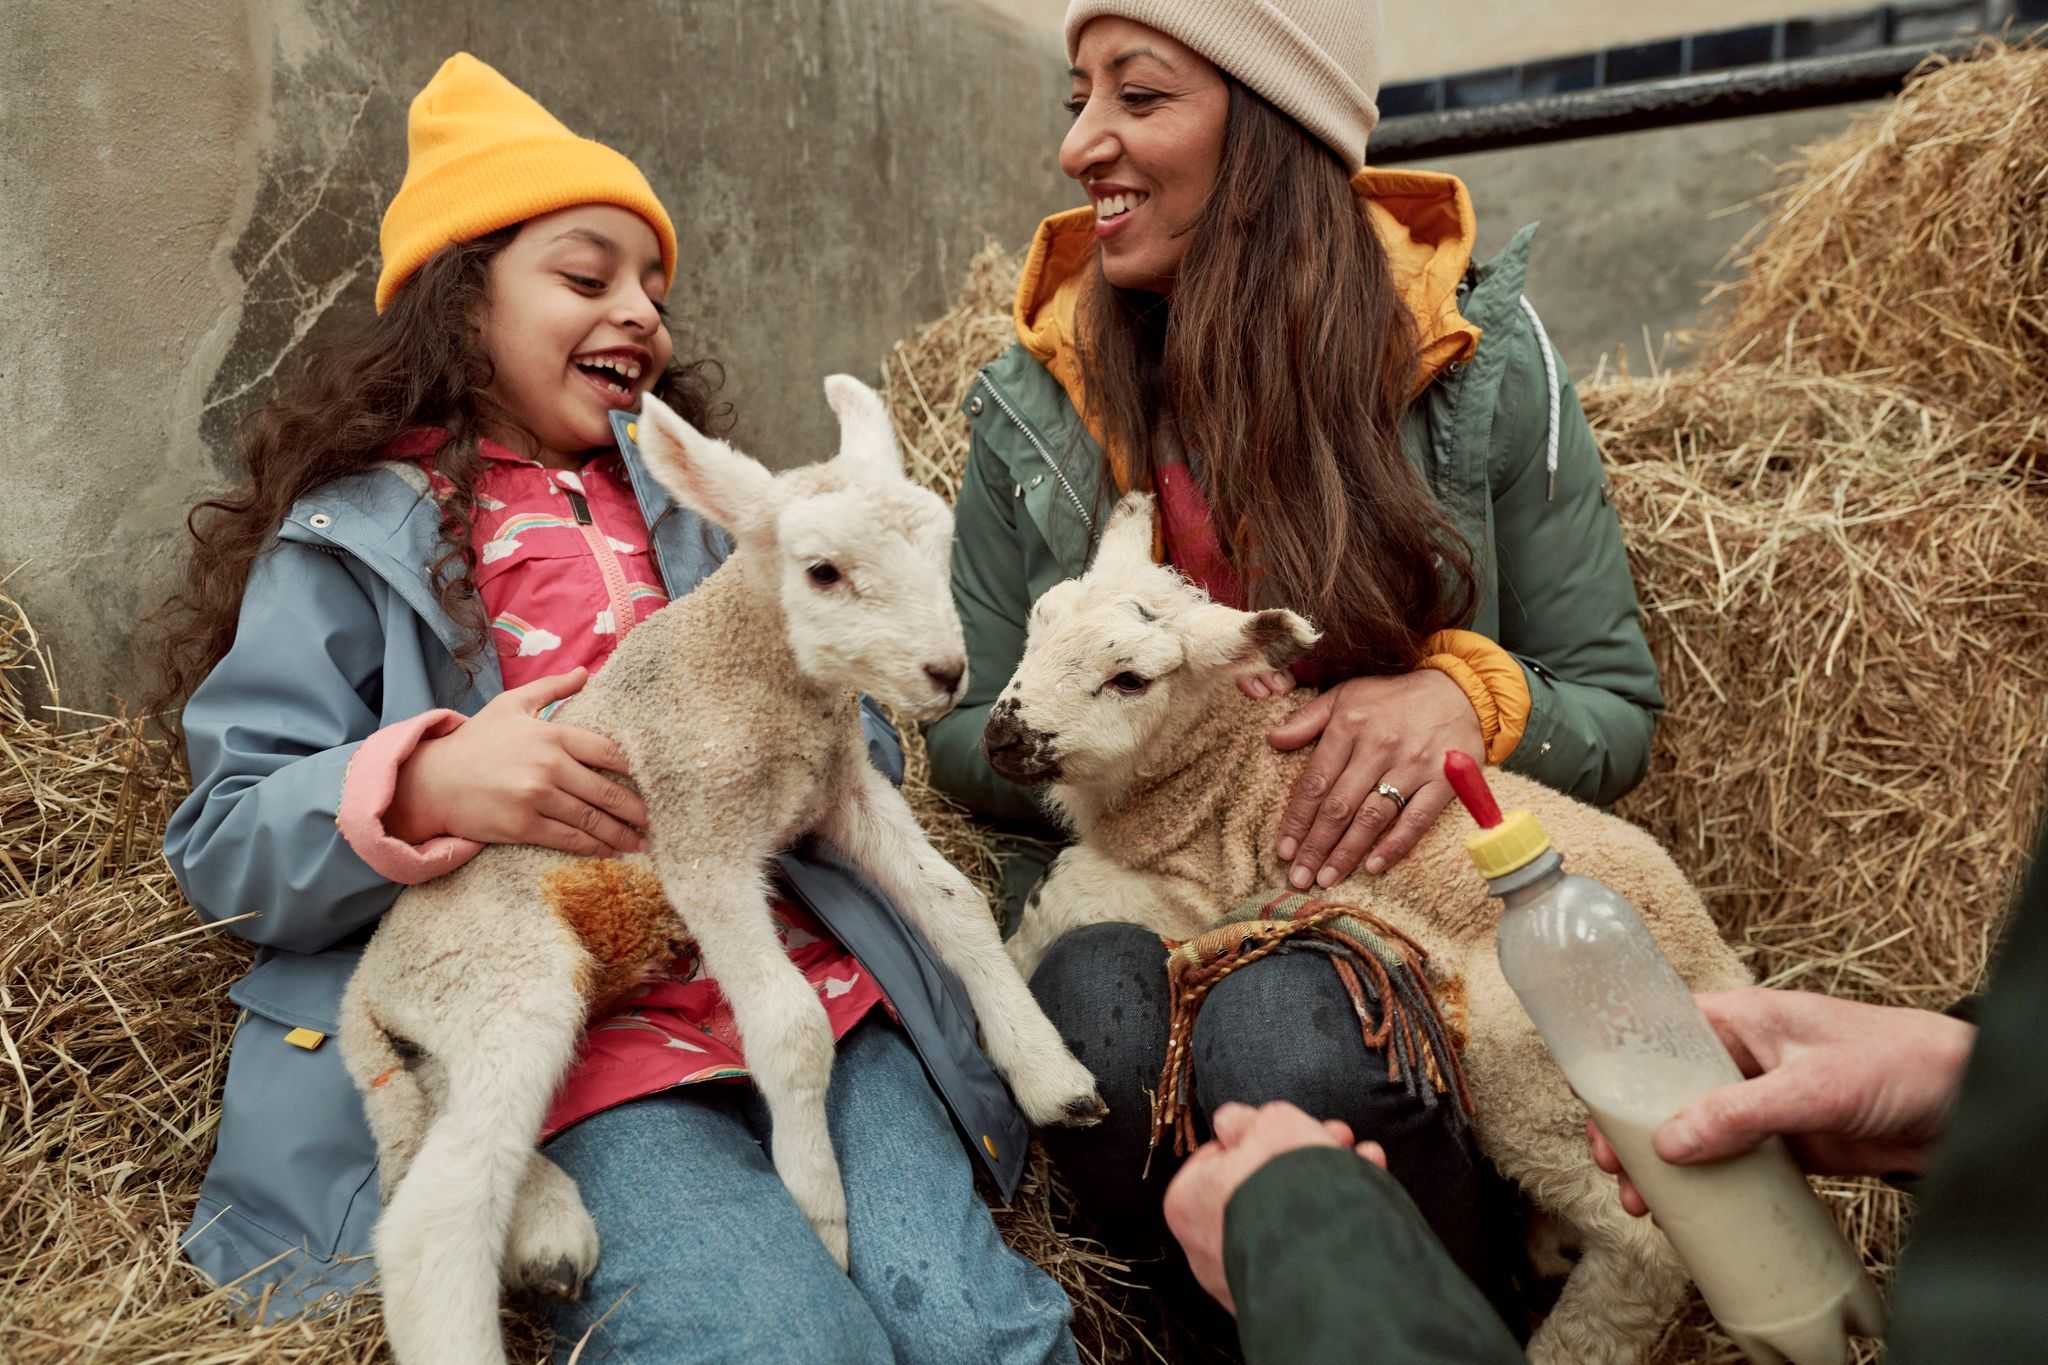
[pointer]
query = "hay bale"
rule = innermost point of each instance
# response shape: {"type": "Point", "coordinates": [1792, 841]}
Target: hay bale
{"type": "Point", "coordinates": [1910, 249]}
{"type": "Point", "coordinates": [1850, 614]}
{"type": "Point", "coordinates": [1848, 602]}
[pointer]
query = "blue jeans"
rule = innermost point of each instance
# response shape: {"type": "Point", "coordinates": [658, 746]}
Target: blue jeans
{"type": "Point", "coordinates": [705, 1257]}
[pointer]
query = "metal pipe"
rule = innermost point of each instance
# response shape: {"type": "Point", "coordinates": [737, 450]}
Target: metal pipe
{"type": "Point", "coordinates": [1743, 92]}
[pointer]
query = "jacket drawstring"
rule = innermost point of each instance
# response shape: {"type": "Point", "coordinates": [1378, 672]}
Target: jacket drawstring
{"type": "Point", "coordinates": [1550, 378]}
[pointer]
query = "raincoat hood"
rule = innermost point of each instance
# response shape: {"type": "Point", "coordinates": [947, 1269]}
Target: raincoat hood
{"type": "Point", "coordinates": [1424, 219]}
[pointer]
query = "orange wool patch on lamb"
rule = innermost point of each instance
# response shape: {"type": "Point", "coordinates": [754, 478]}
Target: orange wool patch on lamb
{"type": "Point", "coordinates": [1449, 992]}
{"type": "Point", "coordinates": [618, 911]}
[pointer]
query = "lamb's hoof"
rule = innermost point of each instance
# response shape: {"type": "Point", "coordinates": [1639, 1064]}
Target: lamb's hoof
{"type": "Point", "coordinates": [1058, 1092]}
{"type": "Point", "coordinates": [1085, 1112]}
{"type": "Point", "coordinates": [559, 1281]}
{"type": "Point", "coordinates": [552, 1250]}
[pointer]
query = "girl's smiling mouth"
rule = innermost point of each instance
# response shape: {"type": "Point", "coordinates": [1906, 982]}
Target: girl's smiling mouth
{"type": "Point", "coordinates": [614, 373]}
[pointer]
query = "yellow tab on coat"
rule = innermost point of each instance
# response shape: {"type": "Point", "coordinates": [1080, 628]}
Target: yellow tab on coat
{"type": "Point", "coordinates": [307, 1038]}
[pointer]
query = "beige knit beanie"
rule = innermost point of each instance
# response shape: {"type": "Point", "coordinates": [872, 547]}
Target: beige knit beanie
{"type": "Point", "coordinates": [1316, 60]}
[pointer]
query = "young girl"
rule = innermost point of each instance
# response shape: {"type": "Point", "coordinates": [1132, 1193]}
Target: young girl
{"type": "Point", "coordinates": [444, 528]}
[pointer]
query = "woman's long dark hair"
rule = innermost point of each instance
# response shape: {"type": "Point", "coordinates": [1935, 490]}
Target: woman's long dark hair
{"type": "Point", "coordinates": [420, 363]}
{"type": "Point", "coordinates": [1286, 357]}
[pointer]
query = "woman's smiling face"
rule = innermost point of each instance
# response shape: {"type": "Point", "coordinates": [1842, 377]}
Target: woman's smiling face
{"type": "Point", "coordinates": [1149, 115]}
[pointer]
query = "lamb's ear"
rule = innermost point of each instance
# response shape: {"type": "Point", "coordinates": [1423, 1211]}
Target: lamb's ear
{"type": "Point", "coordinates": [1127, 539]}
{"type": "Point", "coordinates": [1247, 641]}
{"type": "Point", "coordinates": [726, 486]}
{"type": "Point", "coordinates": [867, 437]}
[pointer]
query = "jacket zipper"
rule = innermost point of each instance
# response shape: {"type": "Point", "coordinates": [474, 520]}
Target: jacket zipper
{"type": "Point", "coordinates": [1039, 446]}
{"type": "Point", "coordinates": [623, 615]}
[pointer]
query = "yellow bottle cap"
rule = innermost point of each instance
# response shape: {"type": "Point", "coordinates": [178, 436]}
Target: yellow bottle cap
{"type": "Point", "coordinates": [1509, 846]}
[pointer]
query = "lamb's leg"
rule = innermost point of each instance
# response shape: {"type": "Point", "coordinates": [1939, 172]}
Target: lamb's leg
{"type": "Point", "coordinates": [1625, 1287]}
{"type": "Point", "coordinates": [1084, 887]}
{"type": "Point", "coordinates": [553, 1244]}
{"type": "Point", "coordinates": [395, 1102]}
{"type": "Point", "coordinates": [879, 833]}
{"type": "Point", "coordinates": [497, 1055]}
{"type": "Point", "coordinates": [783, 1028]}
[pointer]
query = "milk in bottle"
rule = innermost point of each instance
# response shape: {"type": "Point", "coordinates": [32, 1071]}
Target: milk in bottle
{"type": "Point", "coordinates": [1767, 1256]}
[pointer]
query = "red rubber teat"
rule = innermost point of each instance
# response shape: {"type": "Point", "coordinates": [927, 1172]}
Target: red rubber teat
{"type": "Point", "coordinates": [1470, 785]}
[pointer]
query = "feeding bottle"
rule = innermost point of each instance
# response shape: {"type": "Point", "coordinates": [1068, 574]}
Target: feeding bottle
{"type": "Point", "coordinates": [1766, 1254]}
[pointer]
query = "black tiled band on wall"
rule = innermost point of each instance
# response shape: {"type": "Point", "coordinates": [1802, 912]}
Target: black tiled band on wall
{"type": "Point", "coordinates": [1834, 35]}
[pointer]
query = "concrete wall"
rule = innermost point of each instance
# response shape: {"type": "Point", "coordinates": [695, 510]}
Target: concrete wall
{"type": "Point", "coordinates": [190, 189]}
{"type": "Point", "coordinates": [1634, 229]}
{"type": "Point", "coordinates": [1425, 40]}
{"type": "Point", "coordinates": [189, 192]}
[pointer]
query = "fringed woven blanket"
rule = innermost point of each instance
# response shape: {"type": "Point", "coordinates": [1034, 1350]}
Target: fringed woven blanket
{"type": "Point", "coordinates": [1385, 973]}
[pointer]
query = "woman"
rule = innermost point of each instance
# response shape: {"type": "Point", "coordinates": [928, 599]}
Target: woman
{"type": "Point", "coordinates": [1341, 414]}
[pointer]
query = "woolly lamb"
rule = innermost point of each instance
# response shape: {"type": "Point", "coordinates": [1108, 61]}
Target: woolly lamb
{"type": "Point", "coordinates": [736, 709]}
{"type": "Point", "coordinates": [1125, 705]}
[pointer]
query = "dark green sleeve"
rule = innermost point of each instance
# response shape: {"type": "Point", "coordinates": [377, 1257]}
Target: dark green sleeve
{"type": "Point", "coordinates": [1331, 1264]}
{"type": "Point", "coordinates": [991, 593]}
{"type": "Point", "coordinates": [1568, 608]}
{"type": "Point", "coordinates": [1973, 1284]}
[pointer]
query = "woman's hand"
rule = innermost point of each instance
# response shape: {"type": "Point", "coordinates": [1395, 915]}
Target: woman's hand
{"type": "Point", "coordinates": [508, 777]}
{"type": "Point", "coordinates": [1260, 686]}
{"type": "Point", "coordinates": [1372, 730]}
{"type": "Point", "coordinates": [1854, 1089]}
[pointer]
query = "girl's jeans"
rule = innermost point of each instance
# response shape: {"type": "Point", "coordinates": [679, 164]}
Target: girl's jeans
{"type": "Point", "coordinates": [1281, 1028]}
{"type": "Point", "coordinates": [705, 1258]}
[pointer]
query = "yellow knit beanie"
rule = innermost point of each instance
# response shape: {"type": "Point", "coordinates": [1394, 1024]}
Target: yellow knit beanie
{"type": "Point", "coordinates": [1317, 61]}
{"type": "Point", "coordinates": [482, 155]}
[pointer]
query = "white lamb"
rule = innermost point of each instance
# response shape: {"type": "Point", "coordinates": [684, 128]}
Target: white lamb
{"type": "Point", "coordinates": [736, 709]}
{"type": "Point", "coordinates": [1125, 706]}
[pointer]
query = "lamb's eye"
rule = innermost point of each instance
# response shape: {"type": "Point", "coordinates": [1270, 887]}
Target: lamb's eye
{"type": "Point", "coordinates": [823, 574]}
{"type": "Point", "coordinates": [1130, 684]}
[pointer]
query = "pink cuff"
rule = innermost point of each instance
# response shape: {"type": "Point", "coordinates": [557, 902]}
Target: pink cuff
{"type": "Point", "coordinates": [366, 792]}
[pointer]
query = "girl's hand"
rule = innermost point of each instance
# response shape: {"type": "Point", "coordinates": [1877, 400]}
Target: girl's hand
{"type": "Point", "coordinates": [508, 777]}
{"type": "Point", "coordinates": [1260, 686]}
{"type": "Point", "coordinates": [1372, 730]}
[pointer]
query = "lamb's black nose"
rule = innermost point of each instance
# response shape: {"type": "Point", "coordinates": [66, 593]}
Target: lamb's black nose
{"type": "Point", "coordinates": [946, 676]}
{"type": "Point", "coordinates": [1002, 730]}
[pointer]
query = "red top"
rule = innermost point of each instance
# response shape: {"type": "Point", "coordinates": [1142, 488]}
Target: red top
{"type": "Point", "coordinates": [1192, 546]}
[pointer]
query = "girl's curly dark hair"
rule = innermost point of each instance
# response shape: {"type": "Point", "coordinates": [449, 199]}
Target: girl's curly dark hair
{"type": "Point", "coordinates": [418, 364]}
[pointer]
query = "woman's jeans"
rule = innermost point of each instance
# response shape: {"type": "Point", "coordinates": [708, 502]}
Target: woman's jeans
{"type": "Point", "coordinates": [705, 1257]}
{"type": "Point", "coordinates": [1280, 1028]}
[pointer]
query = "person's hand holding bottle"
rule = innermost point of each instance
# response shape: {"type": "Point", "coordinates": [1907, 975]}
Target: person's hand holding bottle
{"type": "Point", "coordinates": [1854, 1089]}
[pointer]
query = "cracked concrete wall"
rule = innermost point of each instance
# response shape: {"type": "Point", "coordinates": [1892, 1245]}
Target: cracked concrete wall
{"type": "Point", "coordinates": [190, 190]}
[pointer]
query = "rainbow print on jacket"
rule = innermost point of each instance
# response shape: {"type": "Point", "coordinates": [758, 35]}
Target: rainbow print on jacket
{"type": "Point", "coordinates": [507, 538]}
{"type": "Point", "coordinates": [532, 639]}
